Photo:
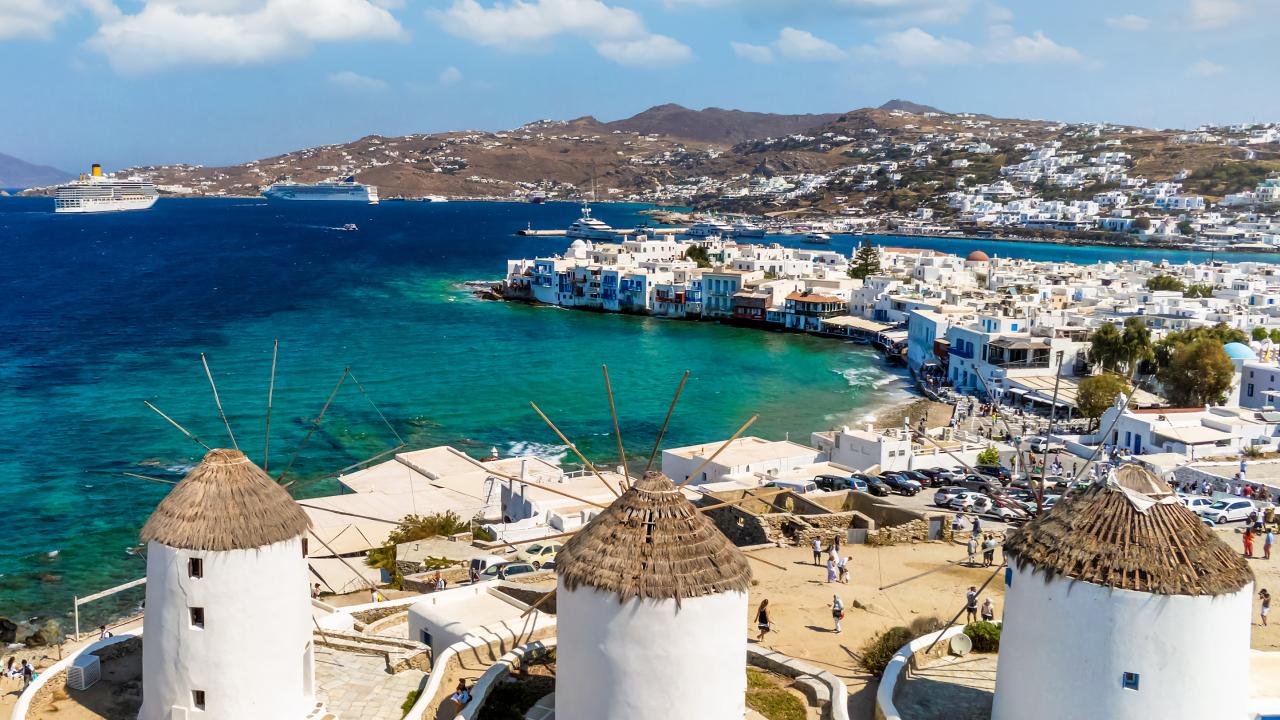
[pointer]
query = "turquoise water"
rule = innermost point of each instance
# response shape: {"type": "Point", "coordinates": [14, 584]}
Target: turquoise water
{"type": "Point", "coordinates": [100, 313]}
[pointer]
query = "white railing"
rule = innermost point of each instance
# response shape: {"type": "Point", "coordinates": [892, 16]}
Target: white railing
{"type": "Point", "coordinates": [885, 709]}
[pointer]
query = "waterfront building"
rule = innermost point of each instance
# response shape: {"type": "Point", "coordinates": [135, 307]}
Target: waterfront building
{"type": "Point", "coordinates": [228, 616]}
{"type": "Point", "coordinates": [746, 457]}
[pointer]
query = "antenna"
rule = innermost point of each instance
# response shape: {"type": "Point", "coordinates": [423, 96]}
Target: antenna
{"type": "Point", "coordinates": [663, 431]}
{"type": "Point", "coordinates": [271, 391]}
{"type": "Point", "coordinates": [217, 401]}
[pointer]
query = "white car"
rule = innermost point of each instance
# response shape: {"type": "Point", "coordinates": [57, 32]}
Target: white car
{"type": "Point", "coordinates": [945, 495]}
{"type": "Point", "coordinates": [1225, 511]}
{"type": "Point", "coordinates": [971, 502]}
{"type": "Point", "coordinates": [1194, 503]}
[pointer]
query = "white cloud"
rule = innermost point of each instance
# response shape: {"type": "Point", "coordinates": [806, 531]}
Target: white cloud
{"type": "Point", "coordinates": [29, 18]}
{"type": "Point", "coordinates": [1206, 14]}
{"type": "Point", "coordinates": [1204, 69]}
{"type": "Point", "coordinates": [755, 53]}
{"type": "Point", "coordinates": [998, 13]}
{"type": "Point", "coordinates": [905, 12]}
{"type": "Point", "coordinates": [450, 76]}
{"type": "Point", "coordinates": [355, 82]}
{"type": "Point", "coordinates": [646, 51]}
{"type": "Point", "coordinates": [234, 32]}
{"type": "Point", "coordinates": [1034, 48]}
{"type": "Point", "coordinates": [617, 33]}
{"type": "Point", "coordinates": [914, 47]}
{"type": "Point", "coordinates": [1132, 23]}
{"type": "Point", "coordinates": [804, 45]}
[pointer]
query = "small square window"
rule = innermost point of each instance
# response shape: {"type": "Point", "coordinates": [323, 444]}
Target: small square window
{"type": "Point", "coordinates": [197, 699]}
{"type": "Point", "coordinates": [197, 617]}
{"type": "Point", "coordinates": [1129, 681]}
{"type": "Point", "coordinates": [195, 567]}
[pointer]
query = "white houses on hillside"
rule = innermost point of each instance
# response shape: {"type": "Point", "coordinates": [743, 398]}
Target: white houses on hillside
{"type": "Point", "coordinates": [228, 622]}
{"type": "Point", "coordinates": [1122, 605]}
{"type": "Point", "coordinates": [651, 607]}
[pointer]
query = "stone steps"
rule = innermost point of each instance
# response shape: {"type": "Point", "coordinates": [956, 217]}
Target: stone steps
{"type": "Point", "coordinates": [399, 654]}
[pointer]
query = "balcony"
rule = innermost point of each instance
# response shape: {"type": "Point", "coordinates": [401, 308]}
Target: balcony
{"type": "Point", "coordinates": [966, 353]}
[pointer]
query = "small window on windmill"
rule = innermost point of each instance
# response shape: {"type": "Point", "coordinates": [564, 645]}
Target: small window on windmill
{"type": "Point", "coordinates": [197, 617]}
{"type": "Point", "coordinates": [197, 699]}
{"type": "Point", "coordinates": [1129, 681]}
{"type": "Point", "coordinates": [195, 567]}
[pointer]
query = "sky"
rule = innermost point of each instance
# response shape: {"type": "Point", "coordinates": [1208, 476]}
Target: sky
{"type": "Point", "coordinates": [133, 82]}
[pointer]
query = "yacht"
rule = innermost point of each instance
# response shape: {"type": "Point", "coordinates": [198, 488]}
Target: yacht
{"type": "Point", "coordinates": [98, 193]}
{"type": "Point", "coordinates": [746, 229]}
{"type": "Point", "coordinates": [536, 197]}
{"type": "Point", "coordinates": [709, 228]}
{"type": "Point", "coordinates": [589, 228]}
{"type": "Point", "coordinates": [816, 238]}
{"type": "Point", "coordinates": [346, 189]}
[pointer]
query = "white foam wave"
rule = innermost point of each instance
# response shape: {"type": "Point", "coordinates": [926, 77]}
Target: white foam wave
{"type": "Point", "coordinates": [554, 454]}
{"type": "Point", "coordinates": [866, 377]}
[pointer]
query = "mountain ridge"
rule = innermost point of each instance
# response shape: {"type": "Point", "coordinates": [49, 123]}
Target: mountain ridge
{"type": "Point", "coordinates": [18, 173]}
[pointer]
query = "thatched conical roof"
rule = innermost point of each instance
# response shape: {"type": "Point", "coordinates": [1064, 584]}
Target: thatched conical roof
{"type": "Point", "coordinates": [652, 543]}
{"type": "Point", "coordinates": [1103, 536]}
{"type": "Point", "coordinates": [225, 503]}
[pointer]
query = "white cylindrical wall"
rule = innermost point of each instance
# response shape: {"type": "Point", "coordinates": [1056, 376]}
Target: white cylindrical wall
{"type": "Point", "coordinates": [1066, 645]}
{"type": "Point", "coordinates": [253, 657]}
{"type": "Point", "coordinates": [647, 660]}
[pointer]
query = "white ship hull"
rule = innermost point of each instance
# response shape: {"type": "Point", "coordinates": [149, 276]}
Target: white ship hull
{"type": "Point", "coordinates": [102, 205]}
{"type": "Point", "coordinates": [334, 192]}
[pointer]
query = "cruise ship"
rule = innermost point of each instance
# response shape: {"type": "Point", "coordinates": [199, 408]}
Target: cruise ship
{"type": "Point", "coordinates": [98, 193]}
{"type": "Point", "coordinates": [589, 228]}
{"type": "Point", "coordinates": [334, 190]}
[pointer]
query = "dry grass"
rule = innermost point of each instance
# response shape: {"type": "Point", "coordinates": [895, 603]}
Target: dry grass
{"type": "Point", "coordinates": [225, 503]}
{"type": "Point", "coordinates": [1098, 536]}
{"type": "Point", "coordinates": [652, 543]}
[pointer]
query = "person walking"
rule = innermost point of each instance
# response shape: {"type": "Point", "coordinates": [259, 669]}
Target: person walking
{"type": "Point", "coordinates": [817, 551]}
{"type": "Point", "coordinates": [29, 673]}
{"type": "Point", "coordinates": [989, 551]}
{"type": "Point", "coordinates": [957, 525]}
{"type": "Point", "coordinates": [1266, 607]}
{"type": "Point", "coordinates": [971, 604]}
{"type": "Point", "coordinates": [1248, 542]}
{"type": "Point", "coordinates": [1267, 540]}
{"type": "Point", "coordinates": [837, 610]}
{"type": "Point", "coordinates": [973, 550]}
{"type": "Point", "coordinates": [977, 525]}
{"type": "Point", "coordinates": [843, 569]}
{"type": "Point", "coordinates": [831, 570]}
{"type": "Point", "coordinates": [988, 611]}
{"type": "Point", "coordinates": [762, 619]}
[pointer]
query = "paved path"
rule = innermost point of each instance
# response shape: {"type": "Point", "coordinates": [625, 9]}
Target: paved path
{"type": "Point", "coordinates": [358, 687]}
{"type": "Point", "coordinates": [949, 689]}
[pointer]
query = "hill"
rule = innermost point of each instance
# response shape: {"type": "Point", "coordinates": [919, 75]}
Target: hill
{"type": "Point", "coordinates": [716, 125]}
{"type": "Point", "coordinates": [15, 173]}
{"type": "Point", "coordinates": [911, 107]}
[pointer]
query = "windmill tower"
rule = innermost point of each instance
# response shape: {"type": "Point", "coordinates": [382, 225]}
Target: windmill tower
{"type": "Point", "coordinates": [1122, 605]}
{"type": "Point", "coordinates": [652, 611]}
{"type": "Point", "coordinates": [228, 616]}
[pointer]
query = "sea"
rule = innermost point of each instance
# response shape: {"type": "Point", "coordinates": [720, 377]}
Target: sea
{"type": "Point", "coordinates": [99, 313]}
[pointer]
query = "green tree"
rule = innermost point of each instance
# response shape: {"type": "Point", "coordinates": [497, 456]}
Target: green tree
{"type": "Point", "coordinates": [1275, 335]}
{"type": "Point", "coordinates": [1135, 344]}
{"type": "Point", "coordinates": [1198, 373]}
{"type": "Point", "coordinates": [1099, 392]}
{"type": "Point", "coordinates": [1166, 282]}
{"type": "Point", "coordinates": [698, 254]}
{"type": "Point", "coordinates": [1259, 334]}
{"type": "Point", "coordinates": [1106, 347]}
{"type": "Point", "coordinates": [1220, 333]}
{"type": "Point", "coordinates": [989, 456]}
{"type": "Point", "coordinates": [413, 527]}
{"type": "Point", "coordinates": [866, 261]}
{"type": "Point", "coordinates": [1185, 227]}
{"type": "Point", "coordinates": [1142, 223]}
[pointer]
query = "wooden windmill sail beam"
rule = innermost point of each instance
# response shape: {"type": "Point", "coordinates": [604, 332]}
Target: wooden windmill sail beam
{"type": "Point", "coordinates": [663, 430]}
{"type": "Point", "coordinates": [719, 450]}
{"type": "Point", "coordinates": [617, 432]}
{"type": "Point", "coordinates": [218, 401]}
{"type": "Point", "coordinates": [574, 448]}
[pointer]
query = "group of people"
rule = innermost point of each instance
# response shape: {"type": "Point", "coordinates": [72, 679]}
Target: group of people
{"type": "Point", "coordinates": [1268, 538]}
{"type": "Point", "coordinates": [837, 565]}
{"type": "Point", "coordinates": [23, 672]}
{"type": "Point", "coordinates": [988, 546]}
{"type": "Point", "coordinates": [972, 611]}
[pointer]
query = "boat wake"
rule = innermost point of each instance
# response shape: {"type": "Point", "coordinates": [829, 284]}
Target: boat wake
{"type": "Point", "coordinates": [554, 454]}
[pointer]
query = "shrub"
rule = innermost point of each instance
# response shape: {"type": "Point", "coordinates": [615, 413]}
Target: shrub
{"type": "Point", "coordinates": [483, 534]}
{"type": "Point", "coordinates": [989, 456]}
{"type": "Point", "coordinates": [409, 700]}
{"type": "Point", "coordinates": [985, 636]}
{"type": "Point", "coordinates": [879, 650]}
{"type": "Point", "coordinates": [925, 625]}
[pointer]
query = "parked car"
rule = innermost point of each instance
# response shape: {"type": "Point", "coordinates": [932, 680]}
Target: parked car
{"type": "Point", "coordinates": [1225, 511]}
{"type": "Point", "coordinates": [875, 485]}
{"type": "Point", "coordinates": [796, 486]}
{"type": "Point", "coordinates": [900, 483]}
{"type": "Point", "coordinates": [999, 472]}
{"type": "Point", "coordinates": [944, 496]}
{"type": "Point", "coordinates": [539, 554]}
{"type": "Point", "coordinates": [937, 476]}
{"type": "Point", "coordinates": [979, 483]}
{"type": "Point", "coordinates": [1195, 502]}
{"type": "Point", "coordinates": [839, 482]}
{"type": "Point", "coordinates": [479, 564]}
{"type": "Point", "coordinates": [1041, 444]}
{"type": "Point", "coordinates": [971, 502]}
{"type": "Point", "coordinates": [506, 570]}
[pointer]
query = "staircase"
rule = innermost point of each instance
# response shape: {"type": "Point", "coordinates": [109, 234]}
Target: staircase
{"type": "Point", "coordinates": [400, 654]}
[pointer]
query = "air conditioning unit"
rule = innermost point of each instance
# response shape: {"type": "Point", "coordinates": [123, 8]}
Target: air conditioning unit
{"type": "Point", "coordinates": [85, 670]}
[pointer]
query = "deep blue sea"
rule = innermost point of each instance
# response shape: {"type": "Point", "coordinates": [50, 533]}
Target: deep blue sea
{"type": "Point", "coordinates": [99, 313]}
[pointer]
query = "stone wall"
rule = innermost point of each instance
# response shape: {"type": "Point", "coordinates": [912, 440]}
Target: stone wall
{"type": "Point", "coordinates": [914, 531]}
{"type": "Point", "coordinates": [822, 517]}
{"type": "Point", "coordinates": [424, 582]}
